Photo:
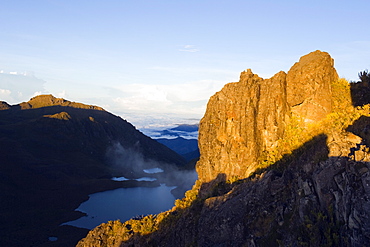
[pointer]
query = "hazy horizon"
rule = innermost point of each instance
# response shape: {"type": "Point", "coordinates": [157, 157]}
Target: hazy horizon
{"type": "Point", "coordinates": [167, 58]}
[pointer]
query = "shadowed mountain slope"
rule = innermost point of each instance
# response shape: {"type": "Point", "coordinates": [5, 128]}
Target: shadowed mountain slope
{"type": "Point", "coordinates": [54, 153]}
{"type": "Point", "coordinates": [187, 148]}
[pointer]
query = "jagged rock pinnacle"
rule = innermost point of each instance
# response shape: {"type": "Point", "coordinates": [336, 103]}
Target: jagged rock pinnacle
{"type": "Point", "coordinates": [248, 117]}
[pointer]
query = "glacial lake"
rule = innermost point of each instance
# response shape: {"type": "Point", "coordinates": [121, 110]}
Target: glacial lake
{"type": "Point", "coordinates": [123, 204]}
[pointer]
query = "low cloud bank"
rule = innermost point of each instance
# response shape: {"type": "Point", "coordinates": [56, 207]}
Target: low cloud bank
{"type": "Point", "coordinates": [129, 163]}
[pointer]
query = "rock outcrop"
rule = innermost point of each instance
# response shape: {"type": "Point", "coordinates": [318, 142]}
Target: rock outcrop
{"type": "Point", "coordinates": [4, 105]}
{"type": "Point", "coordinates": [241, 120]}
{"type": "Point", "coordinates": [308, 88]}
{"type": "Point", "coordinates": [284, 161]}
{"type": "Point", "coordinates": [247, 118]}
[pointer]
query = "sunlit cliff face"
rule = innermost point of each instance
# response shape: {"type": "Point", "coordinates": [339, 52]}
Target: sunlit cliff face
{"type": "Point", "coordinates": [246, 121]}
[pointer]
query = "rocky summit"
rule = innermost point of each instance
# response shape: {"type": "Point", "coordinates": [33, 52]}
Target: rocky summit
{"type": "Point", "coordinates": [284, 162]}
{"type": "Point", "coordinates": [246, 119]}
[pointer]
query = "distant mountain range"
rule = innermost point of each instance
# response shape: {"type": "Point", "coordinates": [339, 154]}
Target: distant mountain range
{"type": "Point", "coordinates": [183, 139]}
{"type": "Point", "coordinates": [187, 148]}
{"type": "Point", "coordinates": [187, 131]}
{"type": "Point", "coordinates": [53, 154]}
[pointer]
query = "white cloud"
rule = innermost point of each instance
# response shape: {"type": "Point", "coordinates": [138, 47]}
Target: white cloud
{"type": "Point", "coordinates": [143, 98]}
{"type": "Point", "coordinates": [61, 94]}
{"type": "Point", "coordinates": [189, 99]}
{"type": "Point", "coordinates": [5, 95]}
{"type": "Point", "coordinates": [189, 48]}
{"type": "Point", "coordinates": [5, 92]}
{"type": "Point", "coordinates": [36, 93]}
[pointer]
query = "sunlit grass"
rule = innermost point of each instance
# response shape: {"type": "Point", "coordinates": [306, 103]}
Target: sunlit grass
{"type": "Point", "coordinates": [297, 132]}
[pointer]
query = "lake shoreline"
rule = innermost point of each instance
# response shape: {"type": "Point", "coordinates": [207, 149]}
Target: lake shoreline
{"type": "Point", "coordinates": [123, 204]}
{"type": "Point", "coordinates": [59, 207]}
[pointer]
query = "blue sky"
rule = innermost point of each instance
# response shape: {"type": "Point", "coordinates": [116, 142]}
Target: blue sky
{"type": "Point", "coordinates": [168, 57]}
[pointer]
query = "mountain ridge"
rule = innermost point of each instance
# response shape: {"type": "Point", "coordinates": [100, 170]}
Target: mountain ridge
{"type": "Point", "coordinates": [46, 100]}
{"type": "Point", "coordinates": [54, 153]}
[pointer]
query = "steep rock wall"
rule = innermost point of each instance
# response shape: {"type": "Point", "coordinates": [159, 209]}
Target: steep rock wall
{"type": "Point", "coordinates": [247, 118]}
{"type": "Point", "coordinates": [240, 119]}
{"type": "Point", "coordinates": [308, 86]}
